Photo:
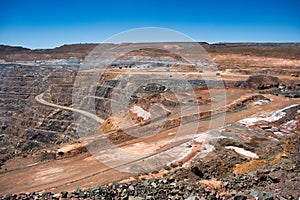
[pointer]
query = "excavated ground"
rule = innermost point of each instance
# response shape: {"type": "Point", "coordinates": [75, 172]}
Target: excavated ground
{"type": "Point", "coordinates": [255, 155]}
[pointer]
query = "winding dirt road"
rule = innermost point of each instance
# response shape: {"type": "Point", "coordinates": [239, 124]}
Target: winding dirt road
{"type": "Point", "coordinates": [39, 98]}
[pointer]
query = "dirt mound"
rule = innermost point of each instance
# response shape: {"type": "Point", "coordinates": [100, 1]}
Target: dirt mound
{"type": "Point", "coordinates": [261, 82]}
{"type": "Point", "coordinates": [109, 125]}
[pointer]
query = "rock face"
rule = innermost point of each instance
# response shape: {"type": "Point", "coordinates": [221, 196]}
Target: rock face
{"type": "Point", "coordinates": [26, 124]}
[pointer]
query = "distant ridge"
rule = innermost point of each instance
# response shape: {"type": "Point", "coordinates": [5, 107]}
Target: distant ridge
{"type": "Point", "coordinates": [88, 46]}
{"type": "Point", "coordinates": [11, 49]}
{"type": "Point", "coordinates": [17, 53]}
{"type": "Point", "coordinates": [256, 44]}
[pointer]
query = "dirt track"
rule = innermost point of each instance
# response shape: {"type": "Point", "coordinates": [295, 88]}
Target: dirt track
{"type": "Point", "coordinates": [39, 98]}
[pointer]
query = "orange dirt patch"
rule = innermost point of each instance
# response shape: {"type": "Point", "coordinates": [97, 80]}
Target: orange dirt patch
{"type": "Point", "coordinates": [249, 166]}
{"type": "Point", "coordinates": [109, 125]}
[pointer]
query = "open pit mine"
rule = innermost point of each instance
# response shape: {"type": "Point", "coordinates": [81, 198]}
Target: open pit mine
{"type": "Point", "coordinates": [150, 124]}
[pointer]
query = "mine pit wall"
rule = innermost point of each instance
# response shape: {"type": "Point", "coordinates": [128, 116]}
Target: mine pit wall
{"type": "Point", "coordinates": [27, 124]}
{"type": "Point", "coordinates": [20, 84]}
{"type": "Point", "coordinates": [151, 128]}
{"type": "Point", "coordinates": [102, 104]}
{"type": "Point", "coordinates": [30, 125]}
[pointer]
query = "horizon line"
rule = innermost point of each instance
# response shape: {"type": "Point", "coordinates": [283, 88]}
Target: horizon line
{"type": "Point", "coordinates": [206, 43]}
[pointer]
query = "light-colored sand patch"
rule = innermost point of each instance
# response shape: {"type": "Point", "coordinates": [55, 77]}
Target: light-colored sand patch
{"type": "Point", "coordinates": [270, 117]}
{"type": "Point", "coordinates": [243, 152]}
{"type": "Point", "coordinates": [140, 112]}
{"type": "Point", "coordinates": [262, 102]}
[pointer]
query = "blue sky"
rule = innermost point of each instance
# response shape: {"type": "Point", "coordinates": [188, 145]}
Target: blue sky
{"type": "Point", "coordinates": [47, 24]}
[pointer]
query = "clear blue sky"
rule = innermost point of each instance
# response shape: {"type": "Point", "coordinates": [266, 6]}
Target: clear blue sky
{"type": "Point", "coordinates": [46, 24]}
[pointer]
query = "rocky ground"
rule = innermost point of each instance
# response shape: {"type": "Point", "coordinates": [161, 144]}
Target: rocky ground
{"type": "Point", "coordinates": [254, 158]}
{"type": "Point", "coordinates": [212, 179]}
